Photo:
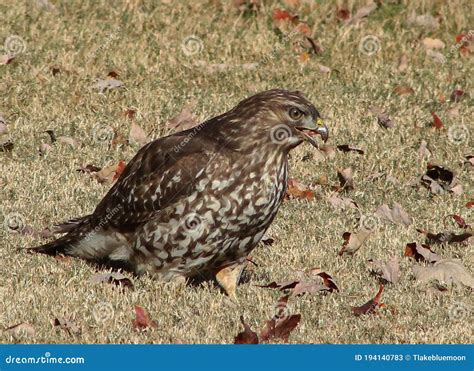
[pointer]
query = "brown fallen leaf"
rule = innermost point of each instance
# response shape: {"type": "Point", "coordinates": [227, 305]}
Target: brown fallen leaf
{"type": "Point", "coordinates": [421, 252]}
{"type": "Point", "coordinates": [470, 204]}
{"type": "Point", "coordinates": [298, 190]}
{"type": "Point", "coordinates": [396, 215]}
{"type": "Point", "coordinates": [371, 306]}
{"type": "Point", "coordinates": [460, 221]}
{"type": "Point", "coordinates": [247, 336]}
{"type": "Point", "coordinates": [281, 325]}
{"type": "Point", "coordinates": [446, 237]}
{"type": "Point", "coordinates": [346, 180]}
{"type": "Point", "coordinates": [403, 90]}
{"type": "Point", "coordinates": [349, 148]}
{"type": "Point", "coordinates": [353, 241]}
{"type": "Point", "coordinates": [438, 179]}
{"type": "Point", "coordinates": [67, 325]}
{"type": "Point", "coordinates": [142, 320]}
{"type": "Point", "coordinates": [23, 329]}
{"type": "Point", "coordinates": [342, 202]}
{"type": "Point", "coordinates": [423, 151]}
{"type": "Point", "coordinates": [6, 59]}
{"type": "Point", "coordinates": [115, 278]}
{"type": "Point", "coordinates": [185, 119]}
{"type": "Point", "coordinates": [430, 43]}
{"type": "Point", "coordinates": [389, 271]}
{"type": "Point", "coordinates": [437, 123]}
{"type": "Point", "coordinates": [130, 114]}
{"type": "Point", "coordinates": [6, 146]}
{"type": "Point", "coordinates": [107, 84]}
{"type": "Point", "coordinates": [457, 95]}
{"type": "Point", "coordinates": [445, 271]}
{"type": "Point", "coordinates": [362, 12]}
{"type": "Point", "coordinates": [109, 173]}
{"type": "Point", "coordinates": [137, 135]}
{"type": "Point", "coordinates": [267, 240]}
{"type": "Point", "coordinates": [385, 121]}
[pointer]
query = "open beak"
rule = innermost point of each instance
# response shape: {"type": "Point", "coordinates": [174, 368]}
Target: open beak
{"type": "Point", "coordinates": [311, 129]}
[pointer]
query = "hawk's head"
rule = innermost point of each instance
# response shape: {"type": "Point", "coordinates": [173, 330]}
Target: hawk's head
{"type": "Point", "coordinates": [277, 117]}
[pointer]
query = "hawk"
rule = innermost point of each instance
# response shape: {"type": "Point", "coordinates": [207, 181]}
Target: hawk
{"type": "Point", "coordinates": [197, 202]}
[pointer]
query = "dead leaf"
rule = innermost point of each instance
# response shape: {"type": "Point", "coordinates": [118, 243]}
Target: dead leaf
{"type": "Point", "coordinates": [342, 202]}
{"type": "Point", "coordinates": [137, 135]}
{"type": "Point", "coordinates": [298, 190]}
{"type": "Point", "coordinates": [371, 306]}
{"type": "Point", "coordinates": [184, 120]}
{"type": "Point", "coordinates": [437, 123]}
{"type": "Point", "coordinates": [396, 215]}
{"type": "Point", "coordinates": [353, 241]}
{"type": "Point", "coordinates": [68, 140]}
{"type": "Point", "coordinates": [460, 221]}
{"type": "Point", "coordinates": [470, 204]}
{"type": "Point", "coordinates": [6, 146]}
{"type": "Point", "coordinates": [23, 329]}
{"type": "Point", "coordinates": [280, 15]}
{"type": "Point", "coordinates": [107, 84]}
{"type": "Point", "coordinates": [6, 59]}
{"type": "Point", "coordinates": [130, 114]}
{"type": "Point", "coordinates": [421, 252]}
{"type": "Point", "coordinates": [446, 237]}
{"type": "Point", "coordinates": [247, 336]}
{"type": "Point", "coordinates": [457, 95]}
{"type": "Point", "coordinates": [385, 121]}
{"type": "Point", "coordinates": [389, 271]}
{"type": "Point", "coordinates": [446, 272]}
{"type": "Point", "coordinates": [349, 148]}
{"type": "Point", "coordinates": [267, 240]}
{"type": "Point", "coordinates": [423, 151]}
{"type": "Point", "coordinates": [67, 325]}
{"type": "Point", "coordinates": [115, 278]}
{"type": "Point", "coordinates": [343, 14]}
{"type": "Point", "coordinates": [430, 43]}
{"type": "Point", "coordinates": [109, 173]}
{"type": "Point", "coordinates": [438, 179]}
{"type": "Point", "coordinates": [346, 180]}
{"type": "Point", "coordinates": [362, 13]}
{"type": "Point", "coordinates": [142, 320]}
{"type": "Point", "coordinates": [324, 69]}
{"type": "Point", "coordinates": [403, 91]}
{"type": "Point", "coordinates": [424, 20]}
{"type": "Point", "coordinates": [281, 325]}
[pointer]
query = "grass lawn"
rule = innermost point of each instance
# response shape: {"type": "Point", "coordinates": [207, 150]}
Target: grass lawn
{"type": "Point", "coordinates": [207, 56]}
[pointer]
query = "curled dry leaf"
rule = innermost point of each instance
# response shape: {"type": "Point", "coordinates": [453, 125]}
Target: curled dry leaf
{"type": "Point", "coordinates": [371, 306]}
{"type": "Point", "coordinates": [23, 329]}
{"type": "Point", "coordinates": [319, 282]}
{"type": "Point", "coordinates": [105, 175]}
{"type": "Point", "coordinates": [389, 271]}
{"type": "Point", "coordinates": [184, 120]}
{"type": "Point", "coordinates": [142, 320]}
{"type": "Point", "coordinates": [6, 59]}
{"type": "Point", "coordinates": [439, 179]}
{"type": "Point", "coordinates": [457, 95]}
{"type": "Point", "coordinates": [346, 180]}
{"type": "Point", "coordinates": [67, 325]}
{"type": "Point", "coordinates": [460, 221]}
{"type": "Point", "coordinates": [437, 123]}
{"type": "Point", "coordinates": [298, 190]}
{"type": "Point", "coordinates": [423, 151]}
{"type": "Point", "coordinates": [362, 12]}
{"type": "Point", "coordinates": [115, 278]}
{"type": "Point", "coordinates": [349, 148]}
{"type": "Point", "coordinates": [342, 202]}
{"type": "Point", "coordinates": [267, 240]}
{"type": "Point", "coordinates": [107, 84]}
{"type": "Point", "coordinates": [137, 135]}
{"type": "Point", "coordinates": [353, 241]}
{"type": "Point", "coordinates": [396, 215]}
{"type": "Point", "coordinates": [403, 90]}
{"type": "Point", "coordinates": [247, 336]}
{"type": "Point", "coordinates": [445, 271]}
{"type": "Point", "coordinates": [446, 237]}
{"type": "Point", "coordinates": [421, 252]}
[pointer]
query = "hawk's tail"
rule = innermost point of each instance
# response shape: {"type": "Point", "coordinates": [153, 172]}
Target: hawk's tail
{"type": "Point", "coordinates": [76, 230]}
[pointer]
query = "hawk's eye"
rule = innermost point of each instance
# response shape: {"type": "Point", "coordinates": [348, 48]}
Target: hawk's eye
{"type": "Point", "coordinates": [295, 113]}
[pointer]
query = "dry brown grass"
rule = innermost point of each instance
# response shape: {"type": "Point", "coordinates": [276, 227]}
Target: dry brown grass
{"type": "Point", "coordinates": [142, 41]}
